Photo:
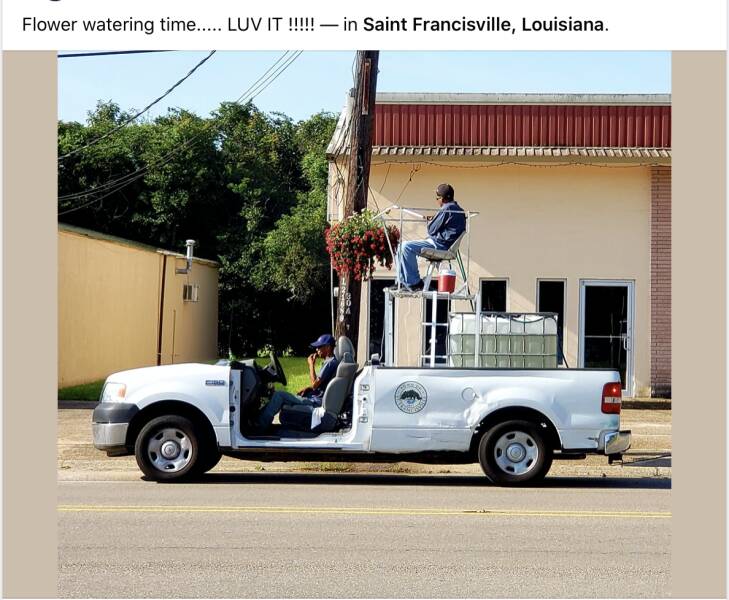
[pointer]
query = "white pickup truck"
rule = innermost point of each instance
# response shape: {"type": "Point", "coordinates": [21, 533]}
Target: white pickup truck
{"type": "Point", "coordinates": [179, 419]}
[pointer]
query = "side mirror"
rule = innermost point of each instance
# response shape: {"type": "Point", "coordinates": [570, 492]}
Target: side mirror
{"type": "Point", "coordinates": [375, 359]}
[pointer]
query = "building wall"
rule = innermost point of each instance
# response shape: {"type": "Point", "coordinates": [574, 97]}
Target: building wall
{"type": "Point", "coordinates": [661, 281]}
{"type": "Point", "coordinates": [109, 307]}
{"type": "Point", "coordinates": [567, 222]}
{"type": "Point", "coordinates": [190, 328]}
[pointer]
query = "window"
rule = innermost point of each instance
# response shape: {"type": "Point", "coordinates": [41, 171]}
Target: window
{"type": "Point", "coordinates": [493, 295]}
{"type": "Point", "coordinates": [550, 298]}
{"type": "Point", "coordinates": [190, 292]}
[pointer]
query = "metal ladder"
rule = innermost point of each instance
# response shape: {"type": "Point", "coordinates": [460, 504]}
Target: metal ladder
{"type": "Point", "coordinates": [433, 324]}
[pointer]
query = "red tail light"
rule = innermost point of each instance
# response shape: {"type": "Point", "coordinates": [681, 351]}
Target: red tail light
{"type": "Point", "coordinates": [612, 397]}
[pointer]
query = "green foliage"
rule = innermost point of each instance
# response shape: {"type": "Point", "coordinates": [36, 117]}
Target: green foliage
{"type": "Point", "coordinates": [294, 258]}
{"type": "Point", "coordinates": [248, 186]}
{"type": "Point", "coordinates": [87, 391]}
{"type": "Point", "coordinates": [297, 372]}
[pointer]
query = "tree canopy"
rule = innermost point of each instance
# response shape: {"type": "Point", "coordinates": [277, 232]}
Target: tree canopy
{"type": "Point", "coordinates": [250, 187]}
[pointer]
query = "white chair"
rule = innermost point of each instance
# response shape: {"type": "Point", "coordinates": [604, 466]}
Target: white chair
{"type": "Point", "coordinates": [435, 257]}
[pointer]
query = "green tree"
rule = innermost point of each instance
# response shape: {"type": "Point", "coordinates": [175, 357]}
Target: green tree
{"type": "Point", "coordinates": [249, 187]}
{"type": "Point", "coordinates": [295, 258]}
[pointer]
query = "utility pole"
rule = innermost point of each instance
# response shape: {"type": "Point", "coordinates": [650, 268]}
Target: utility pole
{"type": "Point", "coordinates": [358, 177]}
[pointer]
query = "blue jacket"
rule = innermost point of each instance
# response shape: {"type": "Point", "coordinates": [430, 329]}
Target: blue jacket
{"type": "Point", "coordinates": [326, 374]}
{"type": "Point", "coordinates": [448, 223]}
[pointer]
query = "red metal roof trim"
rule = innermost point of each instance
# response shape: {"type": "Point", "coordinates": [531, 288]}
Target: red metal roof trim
{"type": "Point", "coordinates": [659, 154]}
{"type": "Point", "coordinates": [522, 125]}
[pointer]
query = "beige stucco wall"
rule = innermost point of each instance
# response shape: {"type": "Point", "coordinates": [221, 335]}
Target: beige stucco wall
{"type": "Point", "coordinates": [547, 221]}
{"type": "Point", "coordinates": [109, 305]}
{"type": "Point", "coordinates": [190, 328]}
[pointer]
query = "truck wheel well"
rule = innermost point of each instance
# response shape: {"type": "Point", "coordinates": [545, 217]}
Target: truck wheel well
{"type": "Point", "coordinates": [516, 413]}
{"type": "Point", "coordinates": [170, 407]}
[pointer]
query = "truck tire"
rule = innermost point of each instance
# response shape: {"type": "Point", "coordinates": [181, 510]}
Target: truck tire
{"type": "Point", "coordinates": [210, 457]}
{"type": "Point", "coordinates": [514, 452]}
{"type": "Point", "coordinates": [168, 449]}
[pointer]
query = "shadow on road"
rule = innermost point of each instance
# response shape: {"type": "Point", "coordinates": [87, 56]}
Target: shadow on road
{"type": "Point", "coordinates": [648, 459]}
{"type": "Point", "coordinates": [77, 404]}
{"type": "Point", "coordinates": [392, 479]}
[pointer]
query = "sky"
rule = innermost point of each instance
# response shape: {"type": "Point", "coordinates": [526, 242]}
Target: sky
{"type": "Point", "coordinates": [318, 81]}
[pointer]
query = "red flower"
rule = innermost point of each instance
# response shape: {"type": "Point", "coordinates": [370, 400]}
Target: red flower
{"type": "Point", "coordinates": [357, 245]}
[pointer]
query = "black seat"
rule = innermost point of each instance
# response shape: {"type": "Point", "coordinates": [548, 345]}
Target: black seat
{"type": "Point", "coordinates": [335, 395]}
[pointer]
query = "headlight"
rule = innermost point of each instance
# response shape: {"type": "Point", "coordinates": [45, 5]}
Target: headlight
{"type": "Point", "coordinates": [113, 392]}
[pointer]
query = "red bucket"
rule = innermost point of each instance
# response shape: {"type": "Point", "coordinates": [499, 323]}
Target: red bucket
{"type": "Point", "coordinates": [447, 281]}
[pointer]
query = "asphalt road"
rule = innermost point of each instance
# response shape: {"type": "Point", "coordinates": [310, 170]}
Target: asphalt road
{"type": "Point", "coordinates": [364, 535]}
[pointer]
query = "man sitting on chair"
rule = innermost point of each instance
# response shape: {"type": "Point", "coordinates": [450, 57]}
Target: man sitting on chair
{"type": "Point", "coordinates": [312, 395]}
{"type": "Point", "coordinates": [443, 229]}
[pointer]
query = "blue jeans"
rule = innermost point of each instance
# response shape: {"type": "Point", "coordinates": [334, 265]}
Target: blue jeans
{"type": "Point", "coordinates": [278, 401]}
{"type": "Point", "coordinates": [407, 260]}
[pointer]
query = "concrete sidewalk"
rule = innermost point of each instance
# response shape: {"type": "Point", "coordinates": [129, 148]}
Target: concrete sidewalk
{"type": "Point", "coordinates": [649, 456]}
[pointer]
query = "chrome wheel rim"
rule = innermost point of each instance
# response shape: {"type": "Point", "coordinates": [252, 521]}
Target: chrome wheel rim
{"type": "Point", "coordinates": [516, 453]}
{"type": "Point", "coordinates": [169, 450]}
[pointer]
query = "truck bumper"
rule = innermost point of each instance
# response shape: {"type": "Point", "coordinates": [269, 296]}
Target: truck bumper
{"type": "Point", "coordinates": [617, 442]}
{"type": "Point", "coordinates": [109, 426]}
{"type": "Point", "coordinates": [110, 436]}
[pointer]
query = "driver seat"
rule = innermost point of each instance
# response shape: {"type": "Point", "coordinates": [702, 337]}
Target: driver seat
{"type": "Point", "coordinates": [336, 393]}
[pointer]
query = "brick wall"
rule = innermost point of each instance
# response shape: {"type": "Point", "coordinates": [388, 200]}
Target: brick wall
{"type": "Point", "coordinates": [661, 281]}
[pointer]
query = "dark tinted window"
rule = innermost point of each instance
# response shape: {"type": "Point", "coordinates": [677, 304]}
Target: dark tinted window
{"type": "Point", "coordinates": [493, 295]}
{"type": "Point", "coordinates": [551, 299]}
{"type": "Point", "coordinates": [377, 316]}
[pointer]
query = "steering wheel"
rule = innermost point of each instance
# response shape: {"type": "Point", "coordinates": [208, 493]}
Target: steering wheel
{"type": "Point", "coordinates": [275, 370]}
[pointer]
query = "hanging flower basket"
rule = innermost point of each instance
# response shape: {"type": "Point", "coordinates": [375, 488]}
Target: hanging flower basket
{"type": "Point", "coordinates": [358, 244]}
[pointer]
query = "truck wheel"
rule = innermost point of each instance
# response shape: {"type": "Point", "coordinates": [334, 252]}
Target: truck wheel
{"type": "Point", "coordinates": [168, 449]}
{"type": "Point", "coordinates": [514, 452]}
{"type": "Point", "coordinates": [208, 460]}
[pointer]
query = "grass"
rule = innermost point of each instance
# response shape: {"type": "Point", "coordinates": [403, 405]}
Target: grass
{"type": "Point", "coordinates": [295, 367]}
{"type": "Point", "coordinates": [86, 391]}
{"type": "Point", "coordinates": [296, 370]}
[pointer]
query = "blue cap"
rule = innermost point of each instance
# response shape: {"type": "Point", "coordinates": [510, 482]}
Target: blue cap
{"type": "Point", "coordinates": [324, 340]}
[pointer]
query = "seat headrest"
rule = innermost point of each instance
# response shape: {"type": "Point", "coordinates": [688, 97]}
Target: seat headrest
{"type": "Point", "coordinates": [346, 369]}
{"type": "Point", "coordinates": [344, 346]}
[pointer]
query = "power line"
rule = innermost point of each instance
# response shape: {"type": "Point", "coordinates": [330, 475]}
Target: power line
{"type": "Point", "coordinates": [118, 184]}
{"type": "Point", "coordinates": [254, 90]}
{"type": "Point", "coordinates": [110, 52]}
{"type": "Point", "coordinates": [413, 172]}
{"type": "Point", "coordinates": [125, 180]}
{"type": "Point", "coordinates": [99, 199]}
{"type": "Point", "coordinates": [141, 112]}
{"type": "Point", "coordinates": [122, 180]}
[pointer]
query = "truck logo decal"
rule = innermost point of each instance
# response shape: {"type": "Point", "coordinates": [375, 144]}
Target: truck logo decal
{"type": "Point", "coordinates": [411, 397]}
{"type": "Point", "coordinates": [215, 382]}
